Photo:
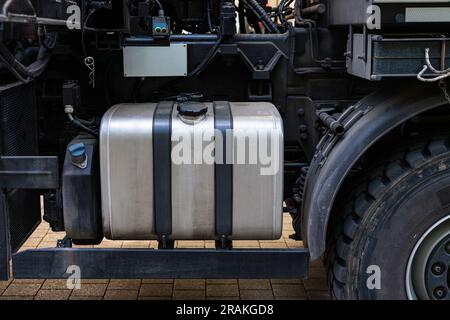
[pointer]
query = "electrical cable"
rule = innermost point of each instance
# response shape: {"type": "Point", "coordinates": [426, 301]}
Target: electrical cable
{"type": "Point", "coordinates": [78, 122]}
{"type": "Point", "coordinates": [209, 56]}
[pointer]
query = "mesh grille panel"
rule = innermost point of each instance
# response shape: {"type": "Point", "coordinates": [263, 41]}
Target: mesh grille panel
{"type": "Point", "coordinates": [18, 137]}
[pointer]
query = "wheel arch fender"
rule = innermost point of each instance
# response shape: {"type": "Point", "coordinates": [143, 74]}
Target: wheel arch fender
{"type": "Point", "coordinates": [366, 122]}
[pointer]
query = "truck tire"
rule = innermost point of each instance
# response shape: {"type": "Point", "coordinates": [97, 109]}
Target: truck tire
{"type": "Point", "coordinates": [392, 239]}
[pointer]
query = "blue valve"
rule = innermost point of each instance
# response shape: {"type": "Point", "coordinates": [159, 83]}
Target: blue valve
{"type": "Point", "coordinates": [77, 153]}
{"type": "Point", "coordinates": [77, 149]}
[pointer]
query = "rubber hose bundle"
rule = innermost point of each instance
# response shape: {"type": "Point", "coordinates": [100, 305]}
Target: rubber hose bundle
{"type": "Point", "coordinates": [262, 14]}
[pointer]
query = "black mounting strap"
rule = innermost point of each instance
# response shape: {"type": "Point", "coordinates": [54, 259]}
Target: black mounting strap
{"type": "Point", "coordinates": [162, 131]}
{"type": "Point", "coordinates": [223, 123]}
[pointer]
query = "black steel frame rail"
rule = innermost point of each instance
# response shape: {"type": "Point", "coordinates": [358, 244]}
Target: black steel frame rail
{"type": "Point", "coordinates": [161, 264]}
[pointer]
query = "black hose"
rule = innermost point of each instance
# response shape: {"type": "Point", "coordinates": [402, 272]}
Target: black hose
{"type": "Point", "coordinates": [208, 58]}
{"type": "Point", "coordinates": [158, 3]}
{"type": "Point", "coordinates": [281, 10]}
{"type": "Point", "coordinates": [262, 14]}
{"type": "Point", "coordinates": [83, 127]}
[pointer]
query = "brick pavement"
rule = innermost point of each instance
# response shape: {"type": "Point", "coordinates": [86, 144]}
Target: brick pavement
{"type": "Point", "coordinates": [147, 289]}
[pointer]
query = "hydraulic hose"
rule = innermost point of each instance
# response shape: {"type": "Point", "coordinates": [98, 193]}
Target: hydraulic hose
{"type": "Point", "coordinates": [262, 14]}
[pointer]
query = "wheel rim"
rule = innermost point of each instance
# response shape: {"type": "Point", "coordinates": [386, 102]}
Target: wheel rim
{"type": "Point", "coordinates": [428, 274]}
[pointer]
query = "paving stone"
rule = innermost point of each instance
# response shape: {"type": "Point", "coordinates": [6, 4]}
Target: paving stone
{"type": "Point", "coordinates": [294, 244]}
{"type": "Point", "coordinates": [29, 289]}
{"type": "Point", "coordinates": [94, 281]}
{"type": "Point", "coordinates": [319, 295]}
{"type": "Point", "coordinates": [275, 245]}
{"type": "Point", "coordinates": [316, 264]}
{"type": "Point", "coordinates": [124, 284]}
{"type": "Point", "coordinates": [25, 248]}
{"type": "Point", "coordinates": [4, 284]}
{"type": "Point", "coordinates": [73, 297]}
{"type": "Point", "coordinates": [156, 290]}
{"type": "Point", "coordinates": [189, 284]}
{"type": "Point", "coordinates": [256, 294]}
{"type": "Point", "coordinates": [154, 245]}
{"type": "Point", "coordinates": [316, 284]}
{"type": "Point", "coordinates": [53, 237]}
{"type": "Point", "coordinates": [28, 281]}
{"type": "Point", "coordinates": [154, 298]}
{"type": "Point", "coordinates": [39, 233]}
{"type": "Point", "coordinates": [317, 273]}
{"type": "Point", "coordinates": [189, 295]}
{"type": "Point", "coordinates": [52, 284]}
{"type": "Point", "coordinates": [53, 295]}
{"type": "Point", "coordinates": [156, 281]}
{"type": "Point", "coordinates": [210, 244]}
{"type": "Point", "coordinates": [109, 245]}
{"type": "Point", "coordinates": [281, 240]}
{"type": "Point", "coordinates": [291, 298]}
{"type": "Point", "coordinates": [222, 298]}
{"type": "Point", "coordinates": [245, 244]}
{"type": "Point", "coordinates": [32, 242]}
{"type": "Point", "coordinates": [135, 244]}
{"type": "Point", "coordinates": [47, 244]}
{"type": "Point", "coordinates": [90, 290]}
{"type": "Point", "coordinates": [121, 294]}
{"type": "Point", "coordinates": [221, 281]}
{"type": "Point", "coordinates": [288, 290]}
{"type": "Point", "coordinates": [190, 244]}
{"type": "Point", "coordinates": [222, 290]}
{"type": "Point", "coordinates": [254, 284]}
{"type": "Point", "coordinates": [286, 281]}
{"type": "Point", "coordinates": [16, 297]}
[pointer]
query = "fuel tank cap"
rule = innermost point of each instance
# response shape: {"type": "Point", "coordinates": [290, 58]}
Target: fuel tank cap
{"type": "Point", "coordinates": [192, 109]}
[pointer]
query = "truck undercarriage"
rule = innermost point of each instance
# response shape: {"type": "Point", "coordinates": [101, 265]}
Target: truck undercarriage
{"type": "Point", "coordinates": [92, 94]}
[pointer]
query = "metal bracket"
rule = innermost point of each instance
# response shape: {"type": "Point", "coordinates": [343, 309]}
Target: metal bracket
{"type": "Point", "coordinates": [5, 247]}
{"type": "Point", "coordinates": [29, 172]}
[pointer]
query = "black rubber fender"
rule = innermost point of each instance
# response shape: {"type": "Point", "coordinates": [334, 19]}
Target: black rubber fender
{"type": "Point", "coordinates": [365, 123]}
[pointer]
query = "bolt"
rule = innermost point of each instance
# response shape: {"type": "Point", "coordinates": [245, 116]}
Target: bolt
{"type": "Point", "coordinates": [447, 247]}
{"type": "Point", "coordinates": [440, 293]}
{"type": "Point", "coordinates": [302, 128]}
{"type": "Point", "coordinates": [300, 112]}
{"type": "Point", "coordinates": [437, 269]}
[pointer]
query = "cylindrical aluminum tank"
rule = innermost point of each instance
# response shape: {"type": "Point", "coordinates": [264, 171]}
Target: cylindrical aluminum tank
{"type": "Point", "coordinates": [195, 190]}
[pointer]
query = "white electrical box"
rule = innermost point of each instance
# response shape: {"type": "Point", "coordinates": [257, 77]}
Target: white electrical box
{"type": "Point", "coordinates": [155, 61]}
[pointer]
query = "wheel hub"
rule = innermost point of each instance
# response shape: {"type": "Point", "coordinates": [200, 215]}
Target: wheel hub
{"type": "Point", "coordinates": [437, 275]}
{"type": "Point", "coordinates": [428, 271]}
